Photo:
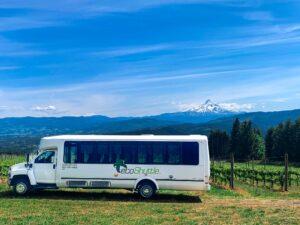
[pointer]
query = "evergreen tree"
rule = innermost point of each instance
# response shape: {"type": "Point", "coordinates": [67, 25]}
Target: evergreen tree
{"type": "Point", "coordinates": [269, 142]}
{"type": "Point", "coordinates": [296, 140]}
{"type": "Point", "coordinates": [284, 138]}
{"type": "Point", "coordinates": [246, 141]}
{"type": "Point", "coordinates": [258, 150]}
{"type": "Point", "coordinates": [235, 136]}
{"type": "Point", "coordinates": [218, 144]}
{"type": "Point", "coordinates": [278, 150]}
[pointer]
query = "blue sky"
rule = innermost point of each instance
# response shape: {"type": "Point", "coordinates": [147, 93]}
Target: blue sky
{"type": "Point", "coordinates": [133, 58]}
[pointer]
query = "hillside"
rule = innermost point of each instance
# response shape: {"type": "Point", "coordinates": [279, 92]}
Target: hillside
{"type": "Point", "coordinates": [262, 120]}
{"type": "Point", "coordinates": [23, 134]}
{"type": "Point", "coordinates": [37, 126]}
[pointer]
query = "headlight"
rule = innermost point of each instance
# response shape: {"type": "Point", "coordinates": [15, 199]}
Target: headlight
{"type": "Point", "coordinates": [9, 172]}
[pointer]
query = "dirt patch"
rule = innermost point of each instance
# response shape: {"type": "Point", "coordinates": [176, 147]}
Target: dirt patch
{"type": "Point", "coordinates": [242, 192]}
{"type": "Point", "coordinates": [255, 203]}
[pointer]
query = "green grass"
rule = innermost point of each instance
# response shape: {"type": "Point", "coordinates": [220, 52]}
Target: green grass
{"type": "Point", "coordinates": [244, 205]}
{"type": "Point", "coordinates": [219, 206]}
{"type": "Point", "coordinates": [7, 160]}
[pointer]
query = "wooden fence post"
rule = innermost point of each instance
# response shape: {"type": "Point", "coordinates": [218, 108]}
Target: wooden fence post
{"type": "Point", "coordinates": [252, 164]}
{"type": "Point", "coordinates": [213, 166]}
{"type": "Point", "coordinates": [231, 171]}
{"type": "Point", "coordinates": [286, 173]}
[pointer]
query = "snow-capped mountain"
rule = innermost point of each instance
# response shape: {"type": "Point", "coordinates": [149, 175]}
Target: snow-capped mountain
{"type": "Point", "coordinates": [199, 113]}
{"type": "Point", "coordinates": [208, 107]}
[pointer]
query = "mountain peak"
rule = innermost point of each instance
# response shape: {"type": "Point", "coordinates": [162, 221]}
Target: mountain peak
{"type": "Point", "coordinates": [208, 107]}
{"type": "Point", "coordinates": [208, 101]}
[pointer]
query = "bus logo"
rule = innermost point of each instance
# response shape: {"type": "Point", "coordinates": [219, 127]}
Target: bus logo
{"type": "Point", "coordinates": [118, 164]}
{"type": "Point", "coordinates": [121, 168]}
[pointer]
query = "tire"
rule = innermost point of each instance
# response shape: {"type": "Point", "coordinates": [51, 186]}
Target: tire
{"type": "Point", "coordinates": [21, 187]}
{"type": "Point", "coordinates": [146, 189]}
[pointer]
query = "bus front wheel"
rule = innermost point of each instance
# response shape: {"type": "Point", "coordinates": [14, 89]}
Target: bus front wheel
{"type": "Point", "coordinates": [21, 187]}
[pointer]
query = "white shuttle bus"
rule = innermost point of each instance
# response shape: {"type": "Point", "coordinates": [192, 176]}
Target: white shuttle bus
{"type": "Point", "coordinates": [142, 163]}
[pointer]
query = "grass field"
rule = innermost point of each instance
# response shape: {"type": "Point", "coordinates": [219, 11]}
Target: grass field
{"type": "Point", "coordinates": [219, 206]}
{"type": "Point", "coordinates": [244, 205]}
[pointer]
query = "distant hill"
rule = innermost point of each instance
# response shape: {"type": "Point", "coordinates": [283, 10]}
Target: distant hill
{"type": "Point", "coordinates": [42, 126]}
{"type": "Point", "coordinates": [179, 122]}
{"type": "Point", "coordinates": [23, 134]}
{"type": "Point", "coordinates": [48, 125]}
{"type": "Point", "coordinates": [262, 120]}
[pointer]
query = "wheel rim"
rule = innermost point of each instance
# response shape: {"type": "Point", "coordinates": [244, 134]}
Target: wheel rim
{"type": "Point", "coordinates": [21, 188]}
{"type": "Point", "coordinates": [146, 191]}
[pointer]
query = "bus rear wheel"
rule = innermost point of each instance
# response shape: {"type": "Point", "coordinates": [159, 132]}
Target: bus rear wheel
{"type": "Point", "coordinates": [146, 189]}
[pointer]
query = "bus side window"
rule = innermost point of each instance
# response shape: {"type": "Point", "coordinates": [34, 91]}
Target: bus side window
{"type": "Point", "coordinates": [159, 153]}
{"type": "Point", "coordinates": [144, 153]}
{"type": "Point", "coordinates": [70, 152]}
{"type": "Point", "coordinates": [129, 150]}
{"type": "Point", "coordinates": [115, 151]}
{"type": "Point", "coordinates": [174, 153]}
{"type": "Point", "coordinates": [102, 149]}
{"type": "Point", "coordinates": [190, 153]}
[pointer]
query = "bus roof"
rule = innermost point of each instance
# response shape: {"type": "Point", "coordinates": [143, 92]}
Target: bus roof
{"type": "Point", "coordinates": [143, 137]}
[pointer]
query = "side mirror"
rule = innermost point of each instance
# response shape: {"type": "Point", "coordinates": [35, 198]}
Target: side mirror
{"type": "Point", "coordinates": [27, 159]}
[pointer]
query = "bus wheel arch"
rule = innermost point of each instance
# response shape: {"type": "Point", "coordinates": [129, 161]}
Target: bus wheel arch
{"type": "Point", "coordinates": [21, 184]}
{"type": "Point", "coordinates": [146, 187]}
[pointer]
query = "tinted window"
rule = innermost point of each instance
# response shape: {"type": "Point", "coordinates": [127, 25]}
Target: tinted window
{"type": "Point", "coordinates": [178, 153]}
{"type": "Point", "coordinates": [190, 153]}
{"type": "Point", "coordinates": [144, 153]}
{"type": "Point", "coordinates": [159, 152]}
{"type": "Point", "coordinates": [45, 157]}
{"type": "Point", "coordinates": [115, 152]}
{"type": "Point", "coordinates": [70, 153]}
{"type": "Point", "coordinates": [129, 152]}
{"type": "Point", "coordinates": [88, 152]}
{"type": "Point", "coordinates": [174, 155]}
{"type": "Point", "coordinates": [102, 152]}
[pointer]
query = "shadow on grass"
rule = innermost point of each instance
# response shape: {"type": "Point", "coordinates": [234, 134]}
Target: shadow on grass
{"type": "Point", "coordinates": [78, 195]}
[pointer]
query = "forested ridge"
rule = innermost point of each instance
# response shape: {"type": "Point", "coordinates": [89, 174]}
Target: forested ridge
{"type": "Point", "coordinates": [244, 139]}
{"type": "Point", "coordinates": [247, 142]}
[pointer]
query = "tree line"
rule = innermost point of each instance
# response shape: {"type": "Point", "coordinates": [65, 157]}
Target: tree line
{"type": "Point", "coordinates": [247, 142]}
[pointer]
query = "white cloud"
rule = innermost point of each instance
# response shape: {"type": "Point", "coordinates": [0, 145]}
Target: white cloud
{"type": "Point", "coordinates": [280, 100]}
{"type": "Point", "coordinates": [148, 94]}
{"type": "Point", "coordinates": [132, 50]}
{"type": "Point", "coordinates": [21, 23]}
{"type": "Point", "coordinates": [195, 106]}
{"type": "Point", "coordinates": [92, 7]}
{"type": "Point", "coordinates": [235, 107]}
{"type": "Point", "coordinates": [47, 109]}
{"type": "Point", "coordinates": [50, 13]}
{"type": "Point", "coordinates": [12, 48]}
{"type": "Point", "coordinates": [8, 68]}
{"type": "Point", "coordinates": [3, 107]}
{"type": "Point", "coordinates": [259, 16]}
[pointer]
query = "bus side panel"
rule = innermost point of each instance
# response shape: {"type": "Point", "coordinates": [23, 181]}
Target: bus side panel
{"type": "Point", "coordinates": [178, 177]}
{"type": "Point", "coordinates": [205, 160]}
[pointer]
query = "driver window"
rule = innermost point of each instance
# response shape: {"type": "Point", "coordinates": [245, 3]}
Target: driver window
{"type": "Point", "coordinates": [45, 157]}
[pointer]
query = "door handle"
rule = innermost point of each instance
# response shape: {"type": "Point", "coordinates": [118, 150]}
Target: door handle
{"type": "Point", "coordinates": [54, 166]}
